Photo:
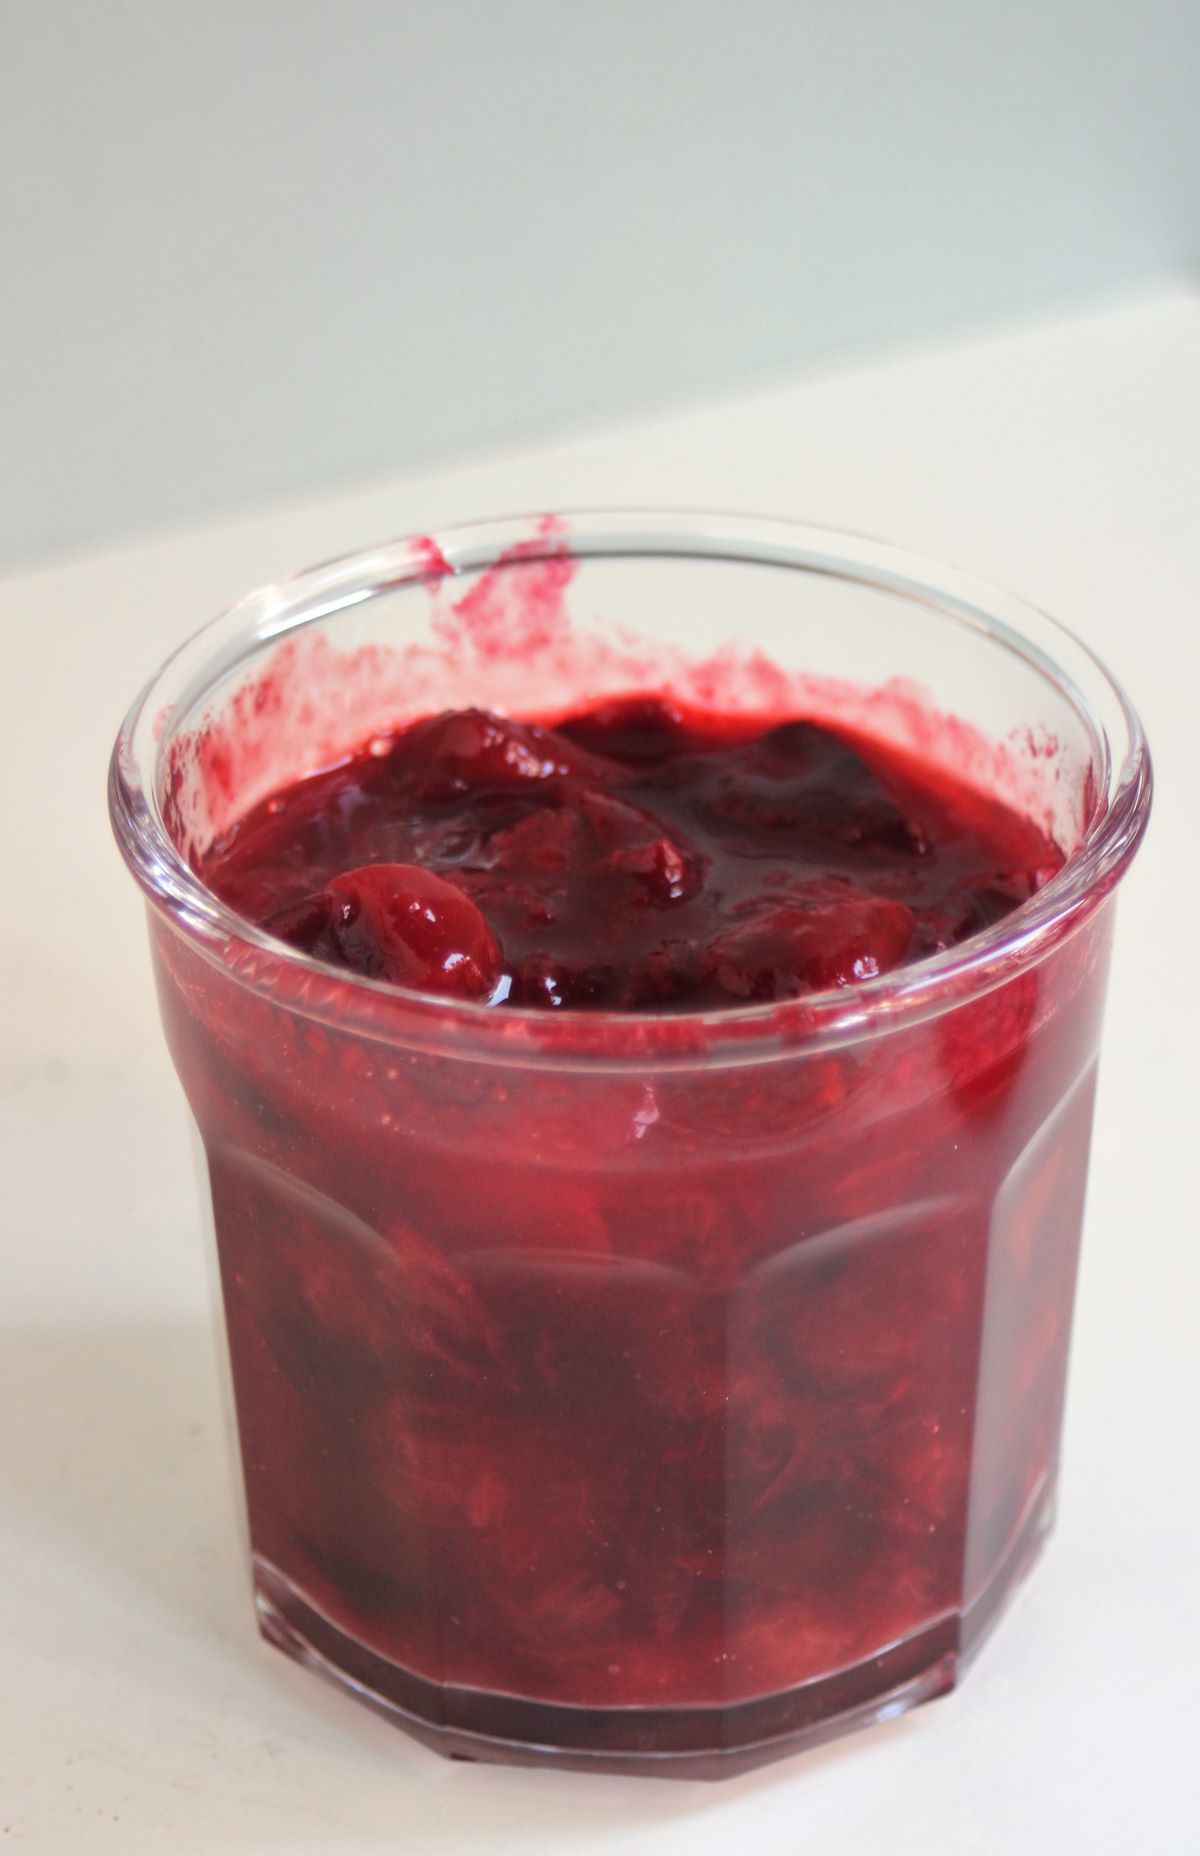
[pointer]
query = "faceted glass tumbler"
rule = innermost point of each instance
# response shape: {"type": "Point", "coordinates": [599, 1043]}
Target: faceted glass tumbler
{"type": "Point", "coordinates": [658, 1393]}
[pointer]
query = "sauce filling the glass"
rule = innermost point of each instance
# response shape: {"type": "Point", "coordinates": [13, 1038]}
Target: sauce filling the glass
{"type": "Point", "coordinates": [669, 1408]}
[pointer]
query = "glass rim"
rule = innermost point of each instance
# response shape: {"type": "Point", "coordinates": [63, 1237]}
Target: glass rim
{"type": "Point", "coordinates": [598, 1037]}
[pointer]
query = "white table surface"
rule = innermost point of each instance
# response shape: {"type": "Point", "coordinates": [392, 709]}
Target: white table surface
{"type": "Point", "coordinates": [138, 1710]}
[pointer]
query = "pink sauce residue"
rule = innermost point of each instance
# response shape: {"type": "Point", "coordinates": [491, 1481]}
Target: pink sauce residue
{"type": "Point", "coordinates": [510, 642]}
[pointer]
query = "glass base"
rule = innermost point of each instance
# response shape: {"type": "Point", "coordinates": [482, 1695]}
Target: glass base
{"type": "Point", "coordinates": [678, 1742]}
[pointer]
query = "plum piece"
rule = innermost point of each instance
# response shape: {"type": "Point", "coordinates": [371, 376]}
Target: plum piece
{"type": "Point", "coordinates": [803, 781]}
{"type": "Point", "coordinates": [632, 841]}
{"type": "Point", "coordinates": [637, 730]}
{"type": "Point", "coordinates": [400, 923]}
{"type": "Point", "coordinates": [666, 872]}
{"type": "Point", "coordinates": [551, 980]}
{"type": "Point", "coordinates": [667, 975]}
{"type": "Point", "coordinates": [790, 950]}
{"type": "Point", "coordinates": [473, 751]}
{"type": "Point", "coordinates": [600, 846]}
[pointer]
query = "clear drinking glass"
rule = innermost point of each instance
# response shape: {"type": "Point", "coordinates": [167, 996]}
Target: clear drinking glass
{"type": "Point", "coordinates": [657, 1393]}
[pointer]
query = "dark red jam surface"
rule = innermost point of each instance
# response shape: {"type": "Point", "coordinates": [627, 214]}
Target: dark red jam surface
{"type": "Point", "coordinates": [632, 857]}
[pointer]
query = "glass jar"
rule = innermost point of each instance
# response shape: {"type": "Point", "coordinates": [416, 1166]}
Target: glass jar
{"type": "Point", "coordinates": [657, 1393]}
